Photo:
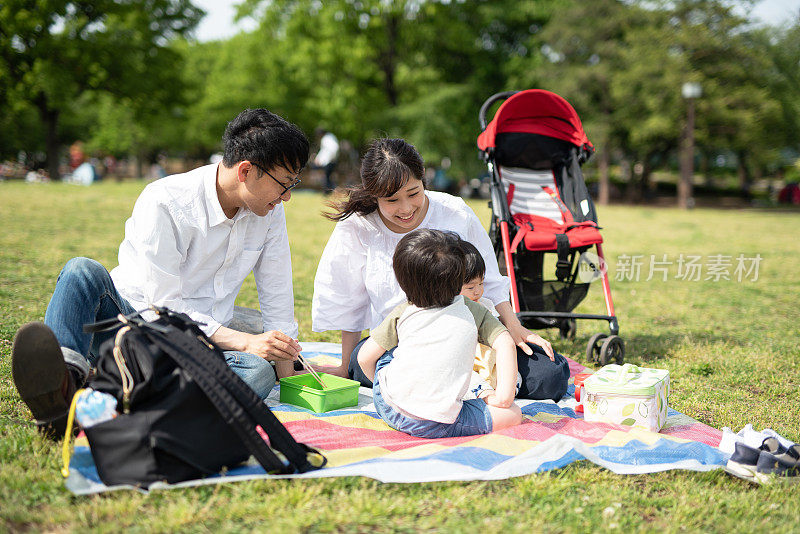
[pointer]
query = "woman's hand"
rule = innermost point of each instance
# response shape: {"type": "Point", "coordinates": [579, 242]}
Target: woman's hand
{"type": "Point", "coordinates": [521, 335]}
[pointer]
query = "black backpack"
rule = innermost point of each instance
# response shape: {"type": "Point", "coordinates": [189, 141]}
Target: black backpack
{"type": "Point", "coordinates": [183, 413]}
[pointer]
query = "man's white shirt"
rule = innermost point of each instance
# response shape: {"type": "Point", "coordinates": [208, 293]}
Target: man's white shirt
{"type": "Point", "coordinates": [181, 251]}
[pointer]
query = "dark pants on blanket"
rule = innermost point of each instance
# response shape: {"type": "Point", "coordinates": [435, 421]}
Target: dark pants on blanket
{"type": "Point", "coordinates": [541, 378]}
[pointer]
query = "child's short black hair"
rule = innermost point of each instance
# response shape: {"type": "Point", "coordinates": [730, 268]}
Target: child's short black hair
{"type": "Point", "coordinates": [474, 266]}
{"type": "Point", "coordinates": [429, 266]}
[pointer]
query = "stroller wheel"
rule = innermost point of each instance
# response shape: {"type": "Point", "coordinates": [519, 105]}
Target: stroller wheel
{"type": "Point", "coordinates": [593, 347]}
{"type": "Point", "coordinates": [567, 329]}
{"type": "Point", "coordinates": [613, 349]}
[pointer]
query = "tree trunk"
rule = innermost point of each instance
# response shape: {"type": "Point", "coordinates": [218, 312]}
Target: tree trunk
{"type": "Point", "coordinates": [705, 168]}
{"type": "Point", "coordinates": [50, 120]}
{"type": "Point", "coordinates": [140, 166]}
{"type": "Point", "coordinates": [635, 190]}
{"type": "Point", "coordinates": [627, 176]}
{"type": "Point", "coordinates": [686, 180]}
{"type": "Point", "coordinates": [387, 59]}
{"type": "Point", "coordinates": [603, 193]}
{"type": "Point", "coordinates": [745, 179]}
{"type": "Point", "coordinates": [648, 189]}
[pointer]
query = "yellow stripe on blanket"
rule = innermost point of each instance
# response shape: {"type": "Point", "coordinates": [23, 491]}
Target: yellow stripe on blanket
{"type": "Point", "coordinates": [357, 420]}
{"type": "Point", "coordinates": [353, 420]}
{"type": "Point", "coordinates": [619, 438]}
{"type": "Point", "coordinates": [502, 444]}
{"type": "Point", "coordinates": [337, 457]}
{"type": "Point", "coordinates": [544, 417]}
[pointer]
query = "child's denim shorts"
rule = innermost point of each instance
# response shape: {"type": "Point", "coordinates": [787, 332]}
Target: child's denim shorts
{"type": "Point", "coordinates": [473, 419]}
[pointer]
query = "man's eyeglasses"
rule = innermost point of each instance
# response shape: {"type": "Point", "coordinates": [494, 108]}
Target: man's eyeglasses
{"type": "Point", "coordinates": [285, 187]}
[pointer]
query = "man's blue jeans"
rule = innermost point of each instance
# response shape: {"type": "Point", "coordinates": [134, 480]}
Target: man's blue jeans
{"type": "Point", "coordinates": [85, 294]}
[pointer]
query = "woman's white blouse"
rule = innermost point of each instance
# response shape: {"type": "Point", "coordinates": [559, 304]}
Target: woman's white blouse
{"type": "Point", "coordinates": [355, 287]}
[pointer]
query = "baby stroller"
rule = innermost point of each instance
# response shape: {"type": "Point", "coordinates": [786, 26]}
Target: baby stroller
{"type": "Point", "coordinates": [534, 148]}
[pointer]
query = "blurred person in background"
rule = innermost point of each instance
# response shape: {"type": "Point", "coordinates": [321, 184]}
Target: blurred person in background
{"type": "Point", "coordinates": [326, 157]}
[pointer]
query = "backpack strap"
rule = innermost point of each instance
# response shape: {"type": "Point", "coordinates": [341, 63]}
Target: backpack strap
{"type": "Point", "coordinates": [115, 322]}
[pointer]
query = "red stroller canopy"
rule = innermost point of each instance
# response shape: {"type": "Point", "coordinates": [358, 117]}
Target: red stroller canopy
{"type": "Point", "coordinates": [535, 111]}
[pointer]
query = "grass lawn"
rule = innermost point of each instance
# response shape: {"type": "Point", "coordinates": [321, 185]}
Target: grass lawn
{"type": "Point", "coordinates": [732, 349]}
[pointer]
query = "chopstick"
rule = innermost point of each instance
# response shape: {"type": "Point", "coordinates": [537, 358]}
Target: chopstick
{"type": "Point", "coordinates": [310, 370]}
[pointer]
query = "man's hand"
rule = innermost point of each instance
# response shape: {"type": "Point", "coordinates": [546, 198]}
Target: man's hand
{"type": "Point", "coordinates": [273, 345]}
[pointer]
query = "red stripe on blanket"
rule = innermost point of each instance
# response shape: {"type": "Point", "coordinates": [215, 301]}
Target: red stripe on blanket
{"type": "Point", "coordinates": [576, 368]}
{"type": "Point", "coordinates": [567, 426]}
{"type": "Point", "coordinates": [328, 436]}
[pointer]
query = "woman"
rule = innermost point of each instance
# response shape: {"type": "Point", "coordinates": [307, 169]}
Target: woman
{"type": "Point", "coordinates": [355, 287]}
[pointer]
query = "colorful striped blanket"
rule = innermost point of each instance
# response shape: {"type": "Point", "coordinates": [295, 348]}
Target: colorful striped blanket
{"type": "Point", "coordinates": [358, 443]}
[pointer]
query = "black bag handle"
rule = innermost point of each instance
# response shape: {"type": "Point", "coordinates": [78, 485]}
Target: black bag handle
{"type": "Point", "coordinates": [225, 389]}
{"type": "Point", "coordinates": [115, 322]}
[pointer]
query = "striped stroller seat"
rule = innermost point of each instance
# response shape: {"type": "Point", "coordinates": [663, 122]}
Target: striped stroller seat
{"type": "Point", "coordinates": [542, 216]}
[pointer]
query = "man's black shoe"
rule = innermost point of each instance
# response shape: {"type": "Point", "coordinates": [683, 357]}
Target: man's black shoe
{"type": "Point", "coordinates": [42, 378]}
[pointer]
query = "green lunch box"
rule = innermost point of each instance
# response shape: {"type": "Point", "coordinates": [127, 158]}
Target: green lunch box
{"type": "Point", "coordinates": [627, 395]}
{"type": "Point", "coordinates": [306, 392]}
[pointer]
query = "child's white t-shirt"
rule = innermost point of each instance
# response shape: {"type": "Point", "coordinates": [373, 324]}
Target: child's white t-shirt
{"type": "Point", "coordinates": [430, 373]}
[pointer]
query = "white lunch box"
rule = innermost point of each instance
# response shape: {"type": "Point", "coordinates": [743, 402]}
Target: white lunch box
{"type": "Point", "coordinates": [627, 395]}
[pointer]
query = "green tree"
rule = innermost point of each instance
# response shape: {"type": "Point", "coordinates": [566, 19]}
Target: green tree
{"type": "Point", "coordinates": [626, 66]}
{"type": "Point", "coordinates": [585, 47]}
{"type": "Point", "coordinates": [782, 47]}
{"type": "Point", "coordinates": [365, 68]}
{"type": "Point", "coordinates": [737, 111]}
{"type": "Point", "coordinates": [53, 51]}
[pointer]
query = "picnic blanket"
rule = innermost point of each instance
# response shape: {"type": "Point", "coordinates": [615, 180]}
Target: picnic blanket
{"type": "Point", "coordinates": [358, 443]}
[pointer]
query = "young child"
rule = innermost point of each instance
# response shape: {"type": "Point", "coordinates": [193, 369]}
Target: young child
{"type": "Point", "coordinates": [474, 273]}
{"type": "Point", "coordinates": [420, 384]}
{"type": "Point", "coordinates": [484, 369]}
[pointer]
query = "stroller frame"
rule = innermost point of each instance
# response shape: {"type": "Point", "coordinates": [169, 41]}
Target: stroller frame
{"type": "Point", "coordinates": [510, 247]}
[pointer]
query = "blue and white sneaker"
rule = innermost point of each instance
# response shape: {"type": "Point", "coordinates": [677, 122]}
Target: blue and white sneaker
{"type": "Point", "coordinates": [744, 460]}
{"type": "Point", "coordinates": [779, 466]}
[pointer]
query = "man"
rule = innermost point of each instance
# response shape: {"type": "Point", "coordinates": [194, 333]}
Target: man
{"type": "Point", "coordinates": [189, 244]}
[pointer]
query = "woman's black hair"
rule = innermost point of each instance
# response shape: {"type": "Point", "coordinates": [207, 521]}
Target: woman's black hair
{"type": "Point", "coordinates": [429, 266]}
{"type": "Point", "coordinates": [474, 266]}
{"type": "Point", "coordinates": [261, 137]}
{"type": "Point", "coordinates": [385, 168]}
